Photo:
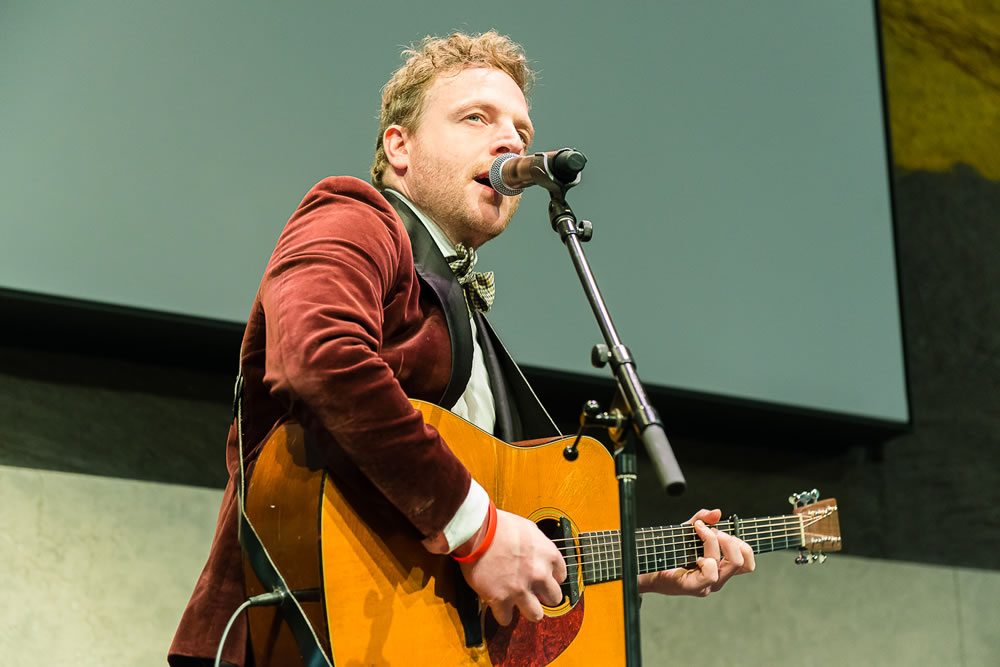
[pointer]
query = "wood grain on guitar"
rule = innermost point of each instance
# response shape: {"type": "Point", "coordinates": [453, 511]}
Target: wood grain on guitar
{"type": "Point", "coordinates": [387, 601]}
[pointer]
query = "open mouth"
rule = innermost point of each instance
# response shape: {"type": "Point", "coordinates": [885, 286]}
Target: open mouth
{"type": "Point", "coordinates": [483, 179]}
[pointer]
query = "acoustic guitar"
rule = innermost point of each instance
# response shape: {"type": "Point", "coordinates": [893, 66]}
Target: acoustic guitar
{"type": "Point", "coordinates": [375, 596]}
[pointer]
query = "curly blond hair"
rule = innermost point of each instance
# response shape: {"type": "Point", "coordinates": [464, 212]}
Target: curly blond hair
{"type": "Point", "coordinates": [403, 96]}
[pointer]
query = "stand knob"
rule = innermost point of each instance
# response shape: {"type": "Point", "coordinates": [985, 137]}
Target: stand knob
{"type": "Point", "coordinates": [599, 355]}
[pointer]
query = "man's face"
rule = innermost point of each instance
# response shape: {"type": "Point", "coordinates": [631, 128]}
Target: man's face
{"type": "Point", "coordinates": [469, 118]}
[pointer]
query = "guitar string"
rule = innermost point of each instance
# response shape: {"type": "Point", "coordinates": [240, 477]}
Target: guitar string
{"type": "Point", "coordinates": [613, 549]}
{"type": "Point", "coordinates": [612, 556]}
{"type": "Point", "coordinates": [645, 542]}
{"type": "Point", "coordinates": [612, 559]}
{"type": "Point", "coordinates": [656, 546]}
{"type": "Point", "coordinates": [648, 535]}
{"type": "Point", "coordinates": [603, 548]}
{"type": "Point", "coordinates": [747, 528]}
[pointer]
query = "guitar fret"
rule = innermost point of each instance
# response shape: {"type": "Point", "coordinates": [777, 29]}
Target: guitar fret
{"type": "Point", "coordinates": [641, 550]}
{"type": "Point", "coordinates": [600, 556]}
{"type": "Point", "coordinates": [586, 558]}
{"type": "Point", "coordinates": [601, 562]}
{"type": "Point", "coordinates": [616, 553]}
{"type": "Point", "coordinates": [649, 539]}
{"type": "Point", "coordinates": [661, 557]}
{"type": "Point", "coordinates": [656, 552]}
{"type": "Point", "coordinates": [595, 553]}
{"type": "Point", "coordinates": [669, 557]}
{"type": "Point", "coordinates": [603, 554]}
{"type": "Point", "coordinates": [608, 565]}
{"type": "Point", "coordinates": [614, 558]}
{"type": "Point", "coordinates": [599, 553]}
{"type": "Point", "coordinates": [663, 563]}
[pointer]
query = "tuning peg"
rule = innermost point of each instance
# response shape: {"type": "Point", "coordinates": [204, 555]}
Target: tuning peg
{"type": "Point", "coordinates": [802, 558]}
{"type": "Point", "coordinates": [803, 498]}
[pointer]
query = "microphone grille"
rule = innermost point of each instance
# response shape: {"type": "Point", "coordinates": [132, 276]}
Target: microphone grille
{"type": "Point", "coordinates": [496, 175]}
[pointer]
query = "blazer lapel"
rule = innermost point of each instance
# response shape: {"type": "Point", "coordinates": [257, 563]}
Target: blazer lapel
{"type": "Point", "coordinates": [519, 413]}
{"type": "Point", "coordinates": [434, 272]}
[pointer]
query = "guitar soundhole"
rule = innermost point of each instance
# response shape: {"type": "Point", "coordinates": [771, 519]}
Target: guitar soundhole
{"type": "Point", "coordinates": [560, 531]}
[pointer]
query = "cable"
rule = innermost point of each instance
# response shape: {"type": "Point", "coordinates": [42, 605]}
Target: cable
{"type": "Point", "coordinates": [263, 599]}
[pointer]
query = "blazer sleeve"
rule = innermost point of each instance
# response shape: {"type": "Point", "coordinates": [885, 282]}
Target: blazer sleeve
{"type": "Point", "coordinates": [340, 259]}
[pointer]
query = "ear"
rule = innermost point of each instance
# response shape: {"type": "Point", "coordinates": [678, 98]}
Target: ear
{"type": "Point", "coordinates": [396, 141]}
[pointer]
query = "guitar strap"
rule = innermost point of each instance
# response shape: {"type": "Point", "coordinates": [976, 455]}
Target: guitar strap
{"type": "Point", "coordinates": [263, 566]}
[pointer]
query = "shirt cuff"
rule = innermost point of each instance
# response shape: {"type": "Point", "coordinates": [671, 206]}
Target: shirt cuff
{"type": "Point", "coordinates": [464, 524]}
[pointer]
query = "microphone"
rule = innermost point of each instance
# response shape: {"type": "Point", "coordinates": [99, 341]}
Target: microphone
{"type": "Point", "coordinates": [511, 173]}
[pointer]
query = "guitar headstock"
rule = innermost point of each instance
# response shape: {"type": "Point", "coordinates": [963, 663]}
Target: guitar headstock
{"type": "Point", "coordinates": [820, 525]}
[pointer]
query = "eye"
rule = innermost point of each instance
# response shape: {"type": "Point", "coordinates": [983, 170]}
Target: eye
{"type": "Point", "coordinates": [475, 117]}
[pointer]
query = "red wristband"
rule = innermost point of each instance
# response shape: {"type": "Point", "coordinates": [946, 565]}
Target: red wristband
{"type": "Point", "coordinates": [491, 530]}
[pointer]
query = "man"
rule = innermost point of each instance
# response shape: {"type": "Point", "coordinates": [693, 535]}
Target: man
{"type": "Point", "coordinates": [358, 311]}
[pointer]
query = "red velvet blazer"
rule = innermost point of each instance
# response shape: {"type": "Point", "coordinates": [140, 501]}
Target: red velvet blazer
{"type": "Point", "coordinates": [340, 334]}
{"type": "Point", "coordinates": [356, 312]}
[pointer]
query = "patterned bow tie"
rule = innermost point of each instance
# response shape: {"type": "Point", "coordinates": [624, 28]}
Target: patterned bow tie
{"type": "Point", "coordinates": [479, 286]}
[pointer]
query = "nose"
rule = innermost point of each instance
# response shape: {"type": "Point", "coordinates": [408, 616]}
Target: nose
{"type": "Point", "coordinates": [507, 139]}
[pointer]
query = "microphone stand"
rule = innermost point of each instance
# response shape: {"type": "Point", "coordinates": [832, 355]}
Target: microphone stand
{"type": "Point", "coordinates": [631, 406]}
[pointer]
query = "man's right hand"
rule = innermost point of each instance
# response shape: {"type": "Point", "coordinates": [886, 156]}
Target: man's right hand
{"type": "Point", "coordinates": [522, 568]}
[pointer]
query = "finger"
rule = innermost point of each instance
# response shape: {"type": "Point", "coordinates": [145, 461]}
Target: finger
{"type": "Point", "coordinates": [549, 592]}
{"type": "Point", "coordinates": [730, 547]}
{"type": "Point", "coordinates": [503, 611]}
{"type": "Point", "coordinates": [708, 536]}
{"type": "Point", "coordinates": [710, 517]}
{"type": "Point", "coordinates": [530, 607]}
{"type": "Point", "coordinates": [749, 564]}
{"type": "Point", "coordinates": [559, 567]}
{"type": "Point", "coordinates": [708, 570]}
{"type": "Point", "coordinates": [731, 561]}
{"type": "Point", "coordinates": [696, 581]}
{"type": "Point", "coordinates": [730, 566]}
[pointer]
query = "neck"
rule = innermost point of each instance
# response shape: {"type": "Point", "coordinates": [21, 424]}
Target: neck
{"type": "Point", "coordinates": [598, 554]}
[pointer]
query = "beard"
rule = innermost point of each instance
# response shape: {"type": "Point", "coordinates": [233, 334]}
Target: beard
{"type": "Point", "coordinates": [449, 196]}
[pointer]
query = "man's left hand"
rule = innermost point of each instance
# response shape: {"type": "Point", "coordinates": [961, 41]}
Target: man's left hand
{"type": "Point", "coordinates": [724, 557]}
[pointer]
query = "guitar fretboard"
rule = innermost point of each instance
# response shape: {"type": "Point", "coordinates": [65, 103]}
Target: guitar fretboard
{"type": "Point", "coordinates": [599, 554]}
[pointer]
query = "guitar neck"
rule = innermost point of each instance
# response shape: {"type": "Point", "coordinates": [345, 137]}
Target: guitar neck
{"type": "Point", "coordinates": [599, 554]}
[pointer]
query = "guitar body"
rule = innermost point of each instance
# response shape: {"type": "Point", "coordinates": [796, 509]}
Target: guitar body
{"type": "Point", "coordinates": [386, 600]}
